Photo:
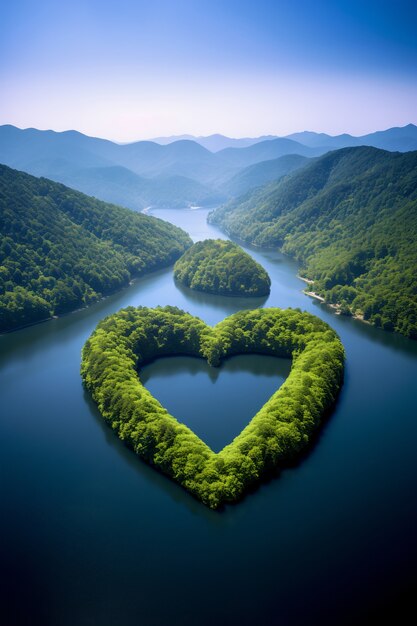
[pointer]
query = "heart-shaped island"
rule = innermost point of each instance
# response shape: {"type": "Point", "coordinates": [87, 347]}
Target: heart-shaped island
{"type": "Point", "coordinates": [278, 433]}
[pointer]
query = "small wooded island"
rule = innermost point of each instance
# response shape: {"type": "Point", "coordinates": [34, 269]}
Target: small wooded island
{"type": "Point", "coordinates": [282, 429]}
{"type": "Point", "coordinates": [221, 267]}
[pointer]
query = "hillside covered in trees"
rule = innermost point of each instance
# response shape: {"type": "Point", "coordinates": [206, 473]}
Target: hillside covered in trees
{"type": "Point", "coordinates": [221, 267]}
{"type": "Point", "coordinates": [60, 249]}
{"type": "Point", "coordinates": [350, 218]}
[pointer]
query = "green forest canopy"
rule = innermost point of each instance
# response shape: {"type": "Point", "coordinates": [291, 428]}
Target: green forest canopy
{"type": "Point", "coordinates": [278, 433]}
{"type": "Point", "coordinates": [60, 249]}
{"type": "Point", "coordinates": [221, 267]}
{"type": "Point", "coordinates": [350, 218]}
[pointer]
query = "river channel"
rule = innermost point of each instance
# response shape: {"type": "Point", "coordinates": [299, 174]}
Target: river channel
{"type": "Point", "coordinates": [90, 535]}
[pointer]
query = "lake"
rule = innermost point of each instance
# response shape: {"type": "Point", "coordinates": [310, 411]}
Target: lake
{"type": "Point", "coordinates": [90, 535]}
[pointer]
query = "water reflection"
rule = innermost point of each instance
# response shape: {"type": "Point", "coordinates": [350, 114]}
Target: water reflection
{"type": "Point", "coordinates": [147, 473]}
{"type": "Point", "coordinates": [215, 402]}
{"type": "Point", "coordinates": [225, 303]}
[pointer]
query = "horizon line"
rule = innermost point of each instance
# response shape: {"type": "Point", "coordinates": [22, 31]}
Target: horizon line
{"type": "Point", "coordinates": [194, 137]}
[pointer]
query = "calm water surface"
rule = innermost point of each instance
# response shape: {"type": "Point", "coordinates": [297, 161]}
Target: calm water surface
{"type": "Point", "coordinates": [89, 535]}
{"type": "Point", "coordinates": [216, 402]}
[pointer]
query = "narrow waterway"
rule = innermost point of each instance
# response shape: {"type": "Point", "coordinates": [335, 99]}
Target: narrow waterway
{"type": "Point", "coordinates": [91, 535]}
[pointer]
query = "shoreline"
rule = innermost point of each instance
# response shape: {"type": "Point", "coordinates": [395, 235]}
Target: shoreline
{"type": "Point", "coordinates": [131, 282]}
{"type": "Point", "coordinates": [312, 294]}
{"type": "Point", "coordinates": [305, 280]}
{"type": "Point", "coordinates": [335, 307]}
{"type": "Point", "coordinates": [315, 295]}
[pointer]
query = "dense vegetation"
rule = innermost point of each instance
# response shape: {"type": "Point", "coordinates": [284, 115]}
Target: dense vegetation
{"type": "Point", "coordinates": [125, 341]}
{"type": "Point", "coordinates": [350, 218]}
{"type": "Point", "coordinates": [221, 267]}
{"type": "Point", "coordinates": [60, 249]}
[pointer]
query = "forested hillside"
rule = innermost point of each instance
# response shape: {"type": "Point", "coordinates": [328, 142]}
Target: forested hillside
{"type": "Point", "coordinates": [350, 218]}
{"type": "Point", "coordinates": [60, 249]}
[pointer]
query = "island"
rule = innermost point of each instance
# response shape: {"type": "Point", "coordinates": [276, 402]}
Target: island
{"type": "Point", "coordinates": [279, 433]}
{"type": "Point", "coordinates": [221, 267]}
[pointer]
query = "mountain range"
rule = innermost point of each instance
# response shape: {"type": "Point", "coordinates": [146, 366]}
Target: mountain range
{"type": "Point", "coordinates": [399, 139]}
{"type": "Point", "coordinates": [215, 142]}
{"type": "Point", "coordinates": [203, 171]}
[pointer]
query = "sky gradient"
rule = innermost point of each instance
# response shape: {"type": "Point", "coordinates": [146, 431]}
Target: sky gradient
{"type": "Point", "coordinates": [130, 70]}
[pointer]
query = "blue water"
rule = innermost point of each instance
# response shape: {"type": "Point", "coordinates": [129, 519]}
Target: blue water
{"type": "Point", "coordinates": [91, 535]}
{"type": "Point", "coordinates": [215, 402]}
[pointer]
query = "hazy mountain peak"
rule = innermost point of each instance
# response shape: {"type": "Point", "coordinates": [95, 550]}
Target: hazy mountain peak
{"type": "Point", "coordinates": [216, 141]}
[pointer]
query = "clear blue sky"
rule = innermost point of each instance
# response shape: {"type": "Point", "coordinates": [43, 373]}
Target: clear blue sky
{"type": "Point", "coordinates": [131, 69]}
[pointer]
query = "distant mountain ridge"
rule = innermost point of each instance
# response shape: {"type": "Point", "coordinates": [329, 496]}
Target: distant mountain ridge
{"type": "Point", "coordinates": [176, 175]}
{"type": "Point", "coordinates": [397, 139]}
{"type": "Point", "coordinates": [179, 174]}
{"type": "Point", "coordinates": [401, 139]}
{"type": "Point", "coordinates": [216, 142]}
{"type": "Point", "coordinates": [121, 186]}
{"type": "Point", "coordinates": [265, 151]}
{"type": "Point", "coordinates": [261, 173]}
{"type": "Point", "coordinates": [33, 149]}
